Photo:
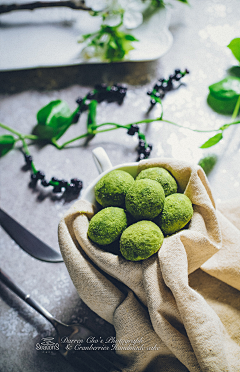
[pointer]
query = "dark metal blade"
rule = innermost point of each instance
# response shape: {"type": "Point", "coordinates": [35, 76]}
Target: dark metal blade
{"type": "Point", "coordinates": [27, 241]}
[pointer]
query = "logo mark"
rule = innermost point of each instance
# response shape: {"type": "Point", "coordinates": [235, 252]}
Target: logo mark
{"type": "Point", "coordinates": [47, 344]}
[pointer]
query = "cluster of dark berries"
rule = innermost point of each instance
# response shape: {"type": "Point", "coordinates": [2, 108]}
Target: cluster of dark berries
{"type": "Point", "coordinates": [163, 86]}
{"type": "Point", "coordinates": [59, 185]}
{"type": "Point", "coordinates": [115, 93]}
{"type": "Point", "coordinates": [103, 92]}
{"type": "Point", "coordinates": [143, 149]}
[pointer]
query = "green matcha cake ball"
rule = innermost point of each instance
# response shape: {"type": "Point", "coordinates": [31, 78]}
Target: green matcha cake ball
{"type": "Point", "coordinates": [140, 240]}
{"type": "Point", "coordinates": [162, 176]}
{"type": "Point", "coordinates": [177, 212]}
{"type": "Point", "coordinates": [107, 225]}
{"type": "Point", "coordinates": [145, 199]}
{"type": "Point", "coordinates": [111, 189]}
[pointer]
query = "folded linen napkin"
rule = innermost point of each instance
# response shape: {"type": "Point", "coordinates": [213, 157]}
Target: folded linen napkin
{"type": "Point", "coordinates": [178, 310]}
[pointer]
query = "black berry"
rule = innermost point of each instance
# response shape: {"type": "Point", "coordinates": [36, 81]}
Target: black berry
{"type": "Point", "coordinates": [57, 189]}
{"type": "Point", "coordinates": [72, 188]}
{"type": "Point", "coordinates": [90, 95]}
{"type": "Point", "coordinates": [147, 152]}
{"type": "Point", "coordinates": [77, 188]}
{"type": "Point", "coordinates": [34, 177]}
{"type": "Point", "coordinates": [141, 156]}
{"type": "Point", "coordinates": [157, 85]}
{"type": "Point", "coordinates": [153, 102]}
{"type": "Point", "coordinates": [44, 183]}
{"type": "Point", "coordinates": [55, 179]}
{"type": "Point", "coordinates": [164, 85]}
{"type": "Point", "coordinates": [40, 175]}
{"type": "Point", "coordinates": [132, 130]}
{"type": "Point", "coordinates": [76, 182]}
{"type": "Point", "coordinates": [28, 159]}
{"type": "Point", "coordinates": [79, 100]}
{"type": "Point", "coordinates": [63, 183]}
{"type": "Point", "coordinates": [178, 77]}
{"type": "Point", "coordinates": [76, 117]}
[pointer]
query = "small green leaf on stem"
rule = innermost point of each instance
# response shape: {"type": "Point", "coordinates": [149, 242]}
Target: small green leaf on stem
{"type": "Point", "coordinates": [236, 109]}
{"type": "Point", "coordinates": [224, 107]}
{"type": "Point", "coordinates": [208, 163]}
{"type": "Point", "coordinates": [234, 46]}
{"type": "Point", "coordinates": [226, 89]}
{"type": "Point", "coordinates": [92, 113]}
{"type": "Point", "coordinates": [7, 142]}
{"type": "Point", "coordinates": [53, 120]}
{"type": "Point", "coordinates": [212, 141]}
{"type": "Point", "coordinates": [109, 43]}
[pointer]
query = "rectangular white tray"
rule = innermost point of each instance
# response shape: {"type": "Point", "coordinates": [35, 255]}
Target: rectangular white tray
{"type": "Point", "coordinates": [49, 37]}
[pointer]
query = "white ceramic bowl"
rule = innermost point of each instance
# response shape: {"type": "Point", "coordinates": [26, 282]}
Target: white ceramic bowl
{"type": "Point", "coordinates": [104, 166]}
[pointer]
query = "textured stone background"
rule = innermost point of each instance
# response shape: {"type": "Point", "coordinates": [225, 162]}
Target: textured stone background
{"type": "Point", "coordinates": [201, 33]}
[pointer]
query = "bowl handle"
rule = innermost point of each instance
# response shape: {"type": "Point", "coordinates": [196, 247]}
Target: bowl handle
{"type": "Point", "coordinates": [101, 159]}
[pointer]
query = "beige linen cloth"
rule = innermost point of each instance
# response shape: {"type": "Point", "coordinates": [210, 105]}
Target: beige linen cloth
{"type": "Point", "coordinates": [179, 310]}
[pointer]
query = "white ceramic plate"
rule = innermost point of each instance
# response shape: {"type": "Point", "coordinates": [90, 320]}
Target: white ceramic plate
{"type": "Point", "coordinates": [48, 37]}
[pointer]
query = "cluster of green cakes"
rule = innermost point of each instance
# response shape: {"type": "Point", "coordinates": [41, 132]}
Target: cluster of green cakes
{"type": "Point", "coordinates": [138, 213]}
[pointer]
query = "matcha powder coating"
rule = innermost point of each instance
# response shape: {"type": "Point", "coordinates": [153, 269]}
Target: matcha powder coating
{"type": "Point", "coordinates": [162, 176]}
{"type": "Point", "coordinates": [145, 199]}
{"type": "Point", "coordinates": [107, 225]}
{"type": "Point", "coordinates": [111, 189]}
{"type": "Point", "coordinates": [177, 212]}
{"type": "Point", "coordinates": [140, 241]}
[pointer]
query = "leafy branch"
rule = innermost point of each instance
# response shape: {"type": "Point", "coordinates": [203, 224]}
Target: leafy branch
{"type": "Point", "coordinates": [224, 97]}
{"type": "Point", "coordinates": [54, 119]}
{"type": "Point", "coordinates": [77, 5]}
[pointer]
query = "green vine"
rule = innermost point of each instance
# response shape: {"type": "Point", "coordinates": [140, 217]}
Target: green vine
{"type": "Point", "coordinates": [54, 119]}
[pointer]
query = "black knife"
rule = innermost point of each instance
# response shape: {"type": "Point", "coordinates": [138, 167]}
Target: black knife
{"type": "Point", "coordinates": [27, 241]}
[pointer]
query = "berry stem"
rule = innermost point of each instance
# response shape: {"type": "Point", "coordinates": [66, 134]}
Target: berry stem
{"type": "Point", "coordinates": [20, 135]}
{"type": "Point", "coordinates": [236, 109]}
{"type": "Point", "coordinates": [193, 130]}
{"type": "Point", "coordinates": [10, 130]}
{"type": "Point", "coordinates": [27, 152]}
{"type": "Point", "coordinates": [127, 126]}
{"type": "Point", "coordinates": [60, 147]}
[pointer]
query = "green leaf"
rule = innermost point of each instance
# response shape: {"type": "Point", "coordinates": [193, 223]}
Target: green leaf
{"type": "Point", "coordinates": [85, 37]}
{"type": "Point", "coordinates": [234, 71]}
{"type": "Point", "coordinates": [208, 163]}
{"type": "Point", "coordinates": [234, 46]}
{"type": "Point", "coordinates": [130, 37]}
{"type": "Point", "coordinates": [212, 141]}
{"type": "Point", "coordinates": [228, 88]}
{"type": "Point", "coordinates": [92, 113]}
{"type": "Point", "coordinates": [53, 120]}
{"type": "Point", "coordinates": [113, 44]}
{"type": "Point", "coordinates": [50, 113]}
{"type": "Point", "coordinates": [224, 107]}
{"type": "Point", "coordinates": [7, 142]}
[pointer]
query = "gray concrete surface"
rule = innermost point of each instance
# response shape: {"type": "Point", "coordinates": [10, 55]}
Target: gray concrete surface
{"type": "Point", "coordinates": [200, 32]}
